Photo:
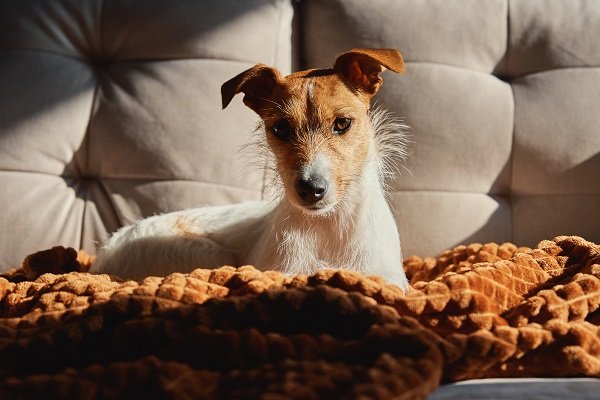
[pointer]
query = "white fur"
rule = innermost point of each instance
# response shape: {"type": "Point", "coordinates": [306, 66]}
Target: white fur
{"type": "Point", "coordinates": [359, 233]}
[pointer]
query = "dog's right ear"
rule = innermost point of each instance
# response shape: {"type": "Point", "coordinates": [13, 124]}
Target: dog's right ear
{"type": "Point", "coordinates": [257, 84]}
{"type": "Point", "coordinates": [360, 68]}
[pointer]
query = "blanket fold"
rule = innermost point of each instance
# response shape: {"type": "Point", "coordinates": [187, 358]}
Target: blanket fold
{"type": "Point", "coordinates": [475, 311]}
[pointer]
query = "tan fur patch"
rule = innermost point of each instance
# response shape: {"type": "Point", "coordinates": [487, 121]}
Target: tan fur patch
{"type": "Point", "coordinates": [183, 228]}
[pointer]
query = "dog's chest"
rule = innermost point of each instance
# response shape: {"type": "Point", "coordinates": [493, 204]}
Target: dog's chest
{"type": "Point", "coordinates": [308, 250]}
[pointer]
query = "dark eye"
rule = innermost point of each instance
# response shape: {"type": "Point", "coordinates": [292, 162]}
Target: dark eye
{"type": "Point", "coordinates": [282, 130]}
{"type": "Point", "coordinates": [341, 125]}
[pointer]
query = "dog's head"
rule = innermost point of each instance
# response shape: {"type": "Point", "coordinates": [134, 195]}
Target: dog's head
{"type": "Point", "coordinates": [317, 122]}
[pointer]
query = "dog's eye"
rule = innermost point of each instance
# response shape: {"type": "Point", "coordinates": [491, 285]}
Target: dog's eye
{"type": "Point", "coordinates": [282, 129]}
{"type": "Point", "coordinates": [341, 125]}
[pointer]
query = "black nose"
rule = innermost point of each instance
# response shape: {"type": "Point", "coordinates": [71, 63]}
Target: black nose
{"type": "Point", "coordinates": [311, 190]}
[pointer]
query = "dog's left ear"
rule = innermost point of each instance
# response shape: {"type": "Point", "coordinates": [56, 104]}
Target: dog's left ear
{"type": "Point", "coordinates": [360, 68]}
{"type": "Point", "coordinates": [257, 84]}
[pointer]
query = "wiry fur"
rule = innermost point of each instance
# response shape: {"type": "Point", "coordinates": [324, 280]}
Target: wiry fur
{"type": "Point", "coordinates": [392, 141]}
{"type": "Point", "coordinates": [353, 228]}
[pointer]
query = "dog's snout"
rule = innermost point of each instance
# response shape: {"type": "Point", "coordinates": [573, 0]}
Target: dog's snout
{"type": "Point", "coordinates": [311, 189]}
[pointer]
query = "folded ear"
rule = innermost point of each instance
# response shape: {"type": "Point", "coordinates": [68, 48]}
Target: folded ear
{"type": "Point", "coordinates": [360, 68]}
{"type": "Point", "coordinates": [257, 84]}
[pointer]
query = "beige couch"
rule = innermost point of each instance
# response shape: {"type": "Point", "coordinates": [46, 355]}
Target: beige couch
{"type": "Point", "coordinates": [111, 111]}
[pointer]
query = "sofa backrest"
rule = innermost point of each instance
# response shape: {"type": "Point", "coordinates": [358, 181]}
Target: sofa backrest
{"type": "Point", "coordinates": [111, 111]}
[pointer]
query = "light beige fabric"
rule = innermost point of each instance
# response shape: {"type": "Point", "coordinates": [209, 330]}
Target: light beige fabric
{"type": "Point", "coordinates": [557, 132]}
{"type": "Point", "coordinates": [469, 33]}
{"type": "Point", "coordinates": [550, 34]}
{"type": "Point", "coordinates": [111, 111]}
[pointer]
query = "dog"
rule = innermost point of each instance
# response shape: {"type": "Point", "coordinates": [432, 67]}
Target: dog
{"type": "Point", "coordinates": [331, 154]}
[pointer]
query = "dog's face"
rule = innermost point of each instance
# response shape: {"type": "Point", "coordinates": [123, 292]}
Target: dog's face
{"type": "Point", "coordinates": [320, 136]}
{"type": "Point", "coordinates": [317, 123]}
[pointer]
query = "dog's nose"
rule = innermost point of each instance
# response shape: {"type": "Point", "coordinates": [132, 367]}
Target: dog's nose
{"type": "Point", "coordinates": [311, 190]}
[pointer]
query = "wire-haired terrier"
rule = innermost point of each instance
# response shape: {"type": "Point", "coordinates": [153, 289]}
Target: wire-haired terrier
{"type": "Point", "coordinates": [331, 153]}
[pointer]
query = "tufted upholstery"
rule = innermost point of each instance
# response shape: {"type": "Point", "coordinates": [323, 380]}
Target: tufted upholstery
{"type": "Point", "coordinates": [110, 111]}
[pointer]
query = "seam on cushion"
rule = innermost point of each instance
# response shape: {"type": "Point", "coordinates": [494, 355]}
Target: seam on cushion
{"type": "Point", "coordinates": [132, 60]}
{"type": "Point", "coordinates": [87, 135]}
{"type": "Point", "coordinates": [178, 58]}
{"type": "Point", "coordinates": [44, 51]}
{"type": "Point", "coordinates": [519, 78]}
{"type": "Point", "coordinates": [514, 125]}
{"type": "Point", "coordinates": [216, 184]}
{"type": "Point", "coordinates": [298, 48]}
{"type": "Point", "coordinates": [150, 180]}
{"type": "Point", "coordinates": [99, 24]}
{"type": "Point", "coordinates": [504, 79]}
{"type": "Point", "coordinates": [438, 191]}
{"type": "Point", "coordinates": [509, 195]}
{"type": "Point", "coordinates": [277, 33]}
{"type": "Point", "coordinates": [511, 161]}
{"type": "Point", "coordinates": [87, 139]}
{"type": "Point", "coordinates": [99, 33]}
{"type": "Point", "coordinates": [106, 193]}
{"type": "Point", "coordinates": [250, 62]}
{"type": "Point", "coordinates": [502, 70]}
{"type": "Point", "coordinates": [451, 66]}
{"type": "Point", "coordinates": [508, 40]}
{"type": "Point", "coordinates": [104, 178]}
{"type": "Point", "coordinates": [130, 178]}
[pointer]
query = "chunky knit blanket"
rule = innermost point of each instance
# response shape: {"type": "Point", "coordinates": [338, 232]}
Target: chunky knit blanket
{"type": "Point", "coordinates": [476, 311]}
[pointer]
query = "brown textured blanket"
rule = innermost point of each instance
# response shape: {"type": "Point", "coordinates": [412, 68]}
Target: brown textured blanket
{"type": "Point", "coordinates": [474, 312]}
